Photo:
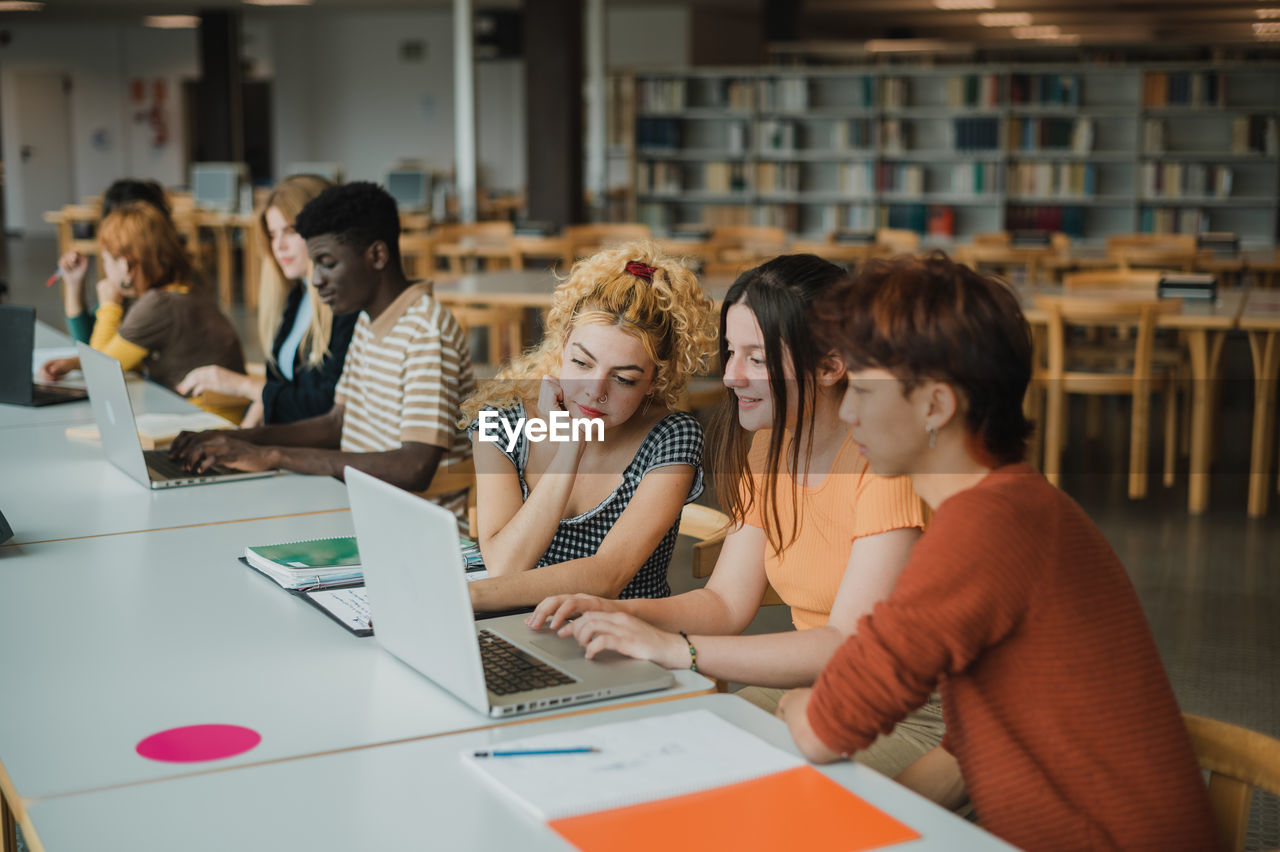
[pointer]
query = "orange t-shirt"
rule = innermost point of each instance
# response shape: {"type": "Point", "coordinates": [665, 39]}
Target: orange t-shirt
{"type": "Point", "coordinates": [849, 503]}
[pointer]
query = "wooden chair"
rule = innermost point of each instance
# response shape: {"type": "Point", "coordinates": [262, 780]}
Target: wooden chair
{"type": "Point", "coordinates": [503, 326]}
{"type": "Point", "coordinates": [586, 240]}
{"type": "Point", "coordinates": [416, 255]}
{"type": "Point", "coordinates": [553, 251]}
{"type": "Point", "coordinates": [737, 248]}
{"type": "Point", "coordinates": [1238, 760]}
{"type": "Point", "coordinates": [898, 240]}
{"type": "Point", "coordinates": [457, 247]}
{"type": "Point", "coordinates": [1063, 375]}
{"type": "Point", "coordinates": [66, 220]}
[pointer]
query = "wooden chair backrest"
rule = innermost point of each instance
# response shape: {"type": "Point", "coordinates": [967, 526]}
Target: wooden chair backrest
{"type": "Point", "coordinates": [488, 231]}
{"type": "Point", "coordinates": [504, 326]}
{"type": "Point", "coordinates": [1156, 257]}
{"type": "Point", "coordinates": [1066, 311]}
{"type": "Point", "coordinates": [416, 255]}
{"type": "Point", "coordinates": [588, 239]}
{"type": "Point", "coordinates": [1238, 760]}
{"type": "Point", "coordinates": [1111, 279]}
{"type": "Point", "coordinates": [991, 238]}
{"type": "Point", "coordinates": [898, 240]}
{"type": "Point", "coordinates": [1119, 242]}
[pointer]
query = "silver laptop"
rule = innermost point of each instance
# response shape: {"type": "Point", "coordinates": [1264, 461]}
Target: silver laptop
{"type": "Point", "coordinates": [17, 343]}
{"type": "Point", "coordinates": [413, 573]}
{"type": "Point", "coordinates": [119, 432]}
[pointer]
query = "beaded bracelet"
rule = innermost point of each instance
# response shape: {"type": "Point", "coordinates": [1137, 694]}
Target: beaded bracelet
{"type": "Point", "coordinates": [693, 652]}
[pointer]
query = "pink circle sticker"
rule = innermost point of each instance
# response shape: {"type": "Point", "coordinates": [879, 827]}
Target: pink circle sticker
{"type": "Point", "coordinates": [194, 743]}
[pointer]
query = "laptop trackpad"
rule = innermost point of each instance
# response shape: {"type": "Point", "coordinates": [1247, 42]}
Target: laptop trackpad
{"type": "Point", "coordinates": [569, 649]}
{"type": "Point", "coordinates": [566, 648]}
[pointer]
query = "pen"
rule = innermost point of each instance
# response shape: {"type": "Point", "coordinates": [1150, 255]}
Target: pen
{"type": "Point", "coordinates": [532, 752]}
{"type": "Point", "coordinates": [57, 273]}
{"type": "Point", "coordinates": [317, 583]}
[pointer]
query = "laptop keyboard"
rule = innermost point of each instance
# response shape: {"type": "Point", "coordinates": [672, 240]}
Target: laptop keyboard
{"type": "Point", "coordinates": [508, 669]}
{"type": "Point", "coordinates": [40, 393]}
{"type": "Point", "coordinates": [167, 468]}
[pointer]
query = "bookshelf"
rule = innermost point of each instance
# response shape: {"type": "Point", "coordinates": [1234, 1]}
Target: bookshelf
{"type": "Point", "coordinates": [952, 151]}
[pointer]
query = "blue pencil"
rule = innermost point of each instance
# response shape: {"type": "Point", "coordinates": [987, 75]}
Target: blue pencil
{"type": "Point", "coordinates": [529, 753]}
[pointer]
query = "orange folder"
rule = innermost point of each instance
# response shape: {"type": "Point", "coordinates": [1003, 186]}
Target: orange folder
{"type": "Point", "coordinates": [796, 809]}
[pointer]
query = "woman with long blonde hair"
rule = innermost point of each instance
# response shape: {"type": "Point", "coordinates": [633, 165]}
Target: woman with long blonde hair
{"type": "Point", "coordinates": [306, 343]}
{"type": "Point", "coordinates": [598, 511]}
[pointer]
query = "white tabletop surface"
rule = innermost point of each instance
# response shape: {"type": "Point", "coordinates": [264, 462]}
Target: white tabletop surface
{"type": "Point", "coordinates": [55, 487]}
{"type": "Point", "coordinates": [143, 395]}
{"type": "Point", "coordinates": [105, 641]}
{"type": "Point", "coordinates": [406, 796]}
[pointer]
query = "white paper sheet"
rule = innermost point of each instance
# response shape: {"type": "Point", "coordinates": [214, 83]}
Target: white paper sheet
{"type": "Point", "coordinates": [638, 761]}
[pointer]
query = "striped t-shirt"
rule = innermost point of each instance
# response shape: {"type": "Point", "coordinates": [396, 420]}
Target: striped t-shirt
{"type": "Point", "coordinates": [404, 379]}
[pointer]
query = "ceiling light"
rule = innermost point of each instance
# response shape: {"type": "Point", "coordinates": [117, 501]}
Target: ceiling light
{"type": "Point", "coordinates": [952, 5]}
{"type": "Point", "coordinates": [1005, 19]}
{"type": "Point", "coordinates": [1268, 13]}
{"type": "Point", "coordinates": [909, 45]}
{"type": "Point", "coordinates": [1041, 32]}
{"type": "Point", "coordinates": [20, 6]}
{"type": "Point", "coordinates": [1266, 29]}
{"type": "Point", "coordinates": [172, 22]}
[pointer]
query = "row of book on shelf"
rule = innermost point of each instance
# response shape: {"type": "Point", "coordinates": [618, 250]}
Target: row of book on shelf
{"type": "Point", "coordinates": [662, 177]}
{"type": "Point", "coordinates": [1172, 180]}
{"type": "Point", "coordinates": [1160, 89]}
{"type": "Point", "coordinates": [1250, 134]}
{"type": "Point", "coordinates": [1184, 88]}
{"type": "Point", "coordinates": [1053, 179]}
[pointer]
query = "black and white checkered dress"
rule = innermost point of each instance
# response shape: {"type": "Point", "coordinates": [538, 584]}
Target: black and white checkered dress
{"type": "Point", "coordinates": [675, 439]}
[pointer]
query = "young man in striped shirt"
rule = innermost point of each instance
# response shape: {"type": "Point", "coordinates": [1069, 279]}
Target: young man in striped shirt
{"type": "Point", "coordinates": [406, 372]}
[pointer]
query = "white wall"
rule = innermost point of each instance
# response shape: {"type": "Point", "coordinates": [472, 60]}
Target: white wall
{"type": "Point", "coordinates": [340, 91]}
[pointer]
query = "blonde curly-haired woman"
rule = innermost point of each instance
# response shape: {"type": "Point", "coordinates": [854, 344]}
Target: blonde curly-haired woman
{"type": "Point", "coordinates": [599, 514]}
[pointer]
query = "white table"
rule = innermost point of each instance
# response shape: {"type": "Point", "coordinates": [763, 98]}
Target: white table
{"type": "Point", "coordinates": [143, 395]}
{"type": "Point", "coordinates": [55, 487]}
{"type": "Point", "coordinates": [105, 641]}
{"type": "Point", "coordinates": [407, 796]}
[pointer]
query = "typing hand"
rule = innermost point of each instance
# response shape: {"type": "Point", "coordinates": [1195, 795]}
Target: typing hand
{"type": "Point", "coordinates": [226, 451]}
{"type": "Point", "coordinates": [626, 634]}
{"type": "Point", "coordinates": [52, 371]}
{"type": "Point", "coordinates": [186, 442]}
{"type": "Point", "coordinates": [555, 612]}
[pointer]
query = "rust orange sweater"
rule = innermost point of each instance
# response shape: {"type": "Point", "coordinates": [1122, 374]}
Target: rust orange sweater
{"type": "Point", "coordinates": [1056, 703]}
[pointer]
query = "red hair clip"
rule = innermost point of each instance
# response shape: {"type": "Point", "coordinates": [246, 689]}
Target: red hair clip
{"type": "Point", "coordinates": [639, 270]}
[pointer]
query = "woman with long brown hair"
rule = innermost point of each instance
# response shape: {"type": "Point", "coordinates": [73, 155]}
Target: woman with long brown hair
{"type": "Point", "coordinates": [306, 343]}
{"type": "Point", "coordinates": [807, 516]}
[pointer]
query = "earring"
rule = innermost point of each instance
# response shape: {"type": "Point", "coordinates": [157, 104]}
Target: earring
{"type": "Point", "coordinates": [933, 436]}
{"type": "Point", "coordinates": [648, 400]}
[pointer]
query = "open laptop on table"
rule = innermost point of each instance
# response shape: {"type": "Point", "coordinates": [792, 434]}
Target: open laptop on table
{"type": "Point", "coordinates": [111, 409]}
{"type": "Point", "coordinates": [413, 574]}
{"type": "Point", "coordinates": [17, 342]}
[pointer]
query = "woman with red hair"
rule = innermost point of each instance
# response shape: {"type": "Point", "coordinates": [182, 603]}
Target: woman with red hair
{"type": "Point", "coordinates": [173, 327]}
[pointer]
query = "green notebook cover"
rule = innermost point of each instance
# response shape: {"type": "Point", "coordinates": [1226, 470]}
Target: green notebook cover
{"type": "Point", "coordinates": [338, 552]}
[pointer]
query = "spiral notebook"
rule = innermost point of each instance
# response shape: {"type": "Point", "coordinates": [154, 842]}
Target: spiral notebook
{"type": "Point", "coordinates": [687, 780]}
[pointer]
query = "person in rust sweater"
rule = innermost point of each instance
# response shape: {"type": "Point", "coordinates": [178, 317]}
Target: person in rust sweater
{"type": "Point", "coordinates": [1059, 716]}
